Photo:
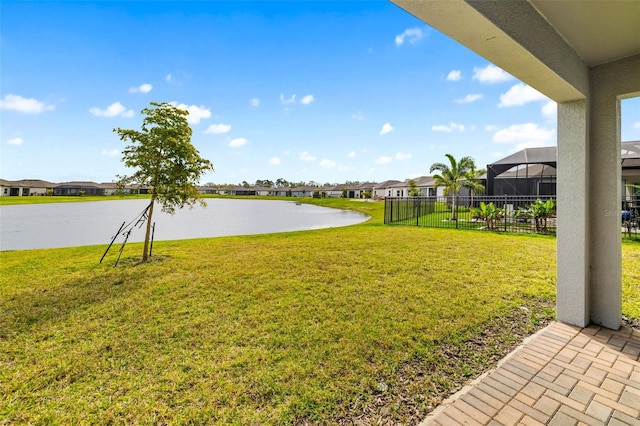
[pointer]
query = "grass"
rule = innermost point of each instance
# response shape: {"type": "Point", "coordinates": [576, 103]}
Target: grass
{"type": "Point", "coordinates": [7, 201]}
{"type": "Point", "coordinates": [368, 322]}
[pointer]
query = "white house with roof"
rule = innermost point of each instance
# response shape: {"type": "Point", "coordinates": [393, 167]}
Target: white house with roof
{"type": "Point", "coordinates": [425, 184]}
{"type": "Point", "coordinates": [24, 187]}
{"type": "Point", "coordinates": [303, 191]}
{"type": "Point", "coordinates": [380, 190]}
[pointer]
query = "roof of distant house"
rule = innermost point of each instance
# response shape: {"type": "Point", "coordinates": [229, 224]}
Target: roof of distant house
{"type": "Point", "coordinates": [545, 155]}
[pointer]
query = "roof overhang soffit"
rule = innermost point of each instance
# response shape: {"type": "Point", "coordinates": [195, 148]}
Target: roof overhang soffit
{"type": "Point", "coordinates": [515, 37]}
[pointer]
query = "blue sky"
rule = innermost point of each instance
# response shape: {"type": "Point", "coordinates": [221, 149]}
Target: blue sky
{"type": "Point", "coordinates": [300, 90]}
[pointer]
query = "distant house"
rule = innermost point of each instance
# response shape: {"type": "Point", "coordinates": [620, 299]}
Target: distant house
{"type": "Point", "coordinates": [348, 190]}
{"type": "Point", "coordinates": [333, 191]}
{"type": "Point", "coordinates": [533, 171]}
{"type": "Point", "coordinates": [79, 188]}
{"type": "Point", "coordinates": [427, 186]}
{"type": "Point", "coordinates": [303, 191]}
{"type": "Point", "coordinates": [24, 187]}
{"type": "Point", "coordinates": [208, 189]}
{"type": "Point", "coordinates": [262, 190]}
{"type": "Point", "coordinates": [361, 190]}
{"type": "Point", "coordinates": [280, 191]}
{"type": "Point", "coordinates": [399, 189]}
{"type": "Point", "coordinates": [383, 189]}
{"type": "Point", "coordinates": [109, 188]}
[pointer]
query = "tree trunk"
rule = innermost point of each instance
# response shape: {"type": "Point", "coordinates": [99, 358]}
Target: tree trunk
{"type": "Point", "coordinates": [145, 249]}
{"type": "Point", "coordinates": [454, 206]}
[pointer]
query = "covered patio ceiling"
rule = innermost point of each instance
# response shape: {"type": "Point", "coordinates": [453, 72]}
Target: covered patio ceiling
{"type": "Point", "coordinates": [590, 33]}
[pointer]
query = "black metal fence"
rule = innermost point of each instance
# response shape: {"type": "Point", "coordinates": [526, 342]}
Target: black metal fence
{"type": "Point", "coordinates": [507, 213]}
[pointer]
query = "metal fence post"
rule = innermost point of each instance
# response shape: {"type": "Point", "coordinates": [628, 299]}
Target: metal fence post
{"type": "Point", "coordinates": [457, 211]}
{"type": "Point", "coordinates": [505, 212]}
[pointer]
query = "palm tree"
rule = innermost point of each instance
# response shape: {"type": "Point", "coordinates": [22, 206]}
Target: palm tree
{"type": "Point", "coordinates": [475, 187]}
{"type": "Point", "coordinates": [455, 176]}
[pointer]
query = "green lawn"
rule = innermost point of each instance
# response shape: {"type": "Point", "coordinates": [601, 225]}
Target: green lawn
{"type": "Point", "coordinates": [6, 201]}
{"type": "Point", "coordinates": [366, 322]}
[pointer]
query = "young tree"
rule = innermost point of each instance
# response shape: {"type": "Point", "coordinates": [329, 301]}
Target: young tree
{"type": "Point", "coordinates": [455, 176]}
{"type": "Point", "coordinates": [164, 160]}
{"type": "Point", "coordinates": [413, 189]}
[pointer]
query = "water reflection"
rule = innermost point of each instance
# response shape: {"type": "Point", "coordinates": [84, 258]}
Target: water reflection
{"type": "Point", "coordinates": [76, 224]}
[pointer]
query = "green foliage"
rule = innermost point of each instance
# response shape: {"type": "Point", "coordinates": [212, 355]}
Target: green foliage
{"type": "Point", "coordinates": [455, 176]}
{"type": "Point", "coordinates": [539, 211]}
{"type": "Point", "coordinates": [489, 213]}
{"type": "Point", "coordinates": [164, 160]}
{"type": "Point", "coordinates": [414, 191]}
{"type": "Point", "coordinates": [636, 187]}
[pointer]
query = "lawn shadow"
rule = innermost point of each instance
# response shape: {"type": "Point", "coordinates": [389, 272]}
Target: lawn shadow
{"type": "Point", "coordinates": [22, 312]}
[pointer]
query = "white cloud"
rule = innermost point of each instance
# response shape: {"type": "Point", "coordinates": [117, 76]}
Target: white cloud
{"type": "Point", "coordinates": [636, 125]}
{"type": "Point", "coordinates": [116, 109]}
{"type": "Point", "coordinates": [328, 164]}
{"type": "Point", "coordinates": [448, 127]}
{"type": "Point", "coordinates": [525, 135]}
{"type": "Point", "coordinates": [15, 141]}
{"type": "Point", "coordinates": [196, 113]}
{"type": "Point", "coordinates": [497, 154]}
{"type": "Point", "coordinates": [491, 128]}
{"type": "Point", "coordinates": [28, 105]}
{"type": "Point", "coordinates": [237, 142]}
{"type": "Point", "coordinates": [550, 110]}
{"type": "Point", "coordinates": [286, 101]}
{"type": "Point", "coordinates": [491, 74]}
{"type": "Point", "coordinates": [254, 102]}
{"type": "Point", "coordinates": [358, 116]}
{"type": "Point", "coordinates": [274, 161]}
{"type": "Point", "coordinates": [352, 154]}
{"type": "Point", "coordinates": [472, 97]}
{"type": "Point", "coordinates": [306, 100]}
{"type": "Point", "coordinates": [143, 88]}
{"type": "Point", "coordinates": [403, 156]}
{"type": "Point", "coordinates": [386, 128]}
{"type": "Point", "coordinates": [305, 156]}
{"type": "Point", "coordinates": [454, 75]}
{"type": "Point", "coordinates": [520, 94]}
{"type": "Point", "coordinates": [412, 35]}
{"type": "Point", "coordinates": [169, 77]}
{"type": "Point", "coordinates": [110, 153]}
{"type": "Point", "coordinates": [218, 128]}
{"type": "Point", "coordinates": [383, 160]}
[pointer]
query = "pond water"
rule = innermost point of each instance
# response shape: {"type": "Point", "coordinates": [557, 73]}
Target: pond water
{"type": "Point", "coordinates": [32, 226]}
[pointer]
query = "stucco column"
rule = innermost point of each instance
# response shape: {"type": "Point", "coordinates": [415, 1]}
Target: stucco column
{"type": "Point", "coordinates": [605, 200]}
{"type": "Point", "coordinates": [572, 294]}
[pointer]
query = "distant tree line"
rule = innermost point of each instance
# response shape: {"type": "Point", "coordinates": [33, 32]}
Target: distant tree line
{"type": "Point", "coordinates": [282, 183]}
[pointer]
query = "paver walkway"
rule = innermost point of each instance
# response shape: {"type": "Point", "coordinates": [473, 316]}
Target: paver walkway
{"type": "Point", "coordinates": [563, 375]}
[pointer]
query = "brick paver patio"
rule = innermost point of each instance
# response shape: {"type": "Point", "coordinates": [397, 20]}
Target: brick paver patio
{"type": "Point", "coordinates": [563, 375]}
